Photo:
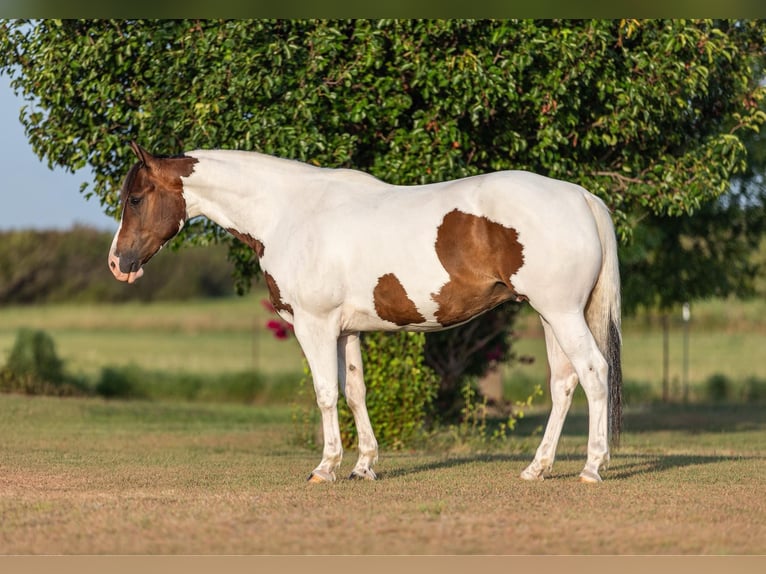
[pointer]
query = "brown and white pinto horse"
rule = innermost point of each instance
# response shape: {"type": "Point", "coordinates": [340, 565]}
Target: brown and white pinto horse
{"type": "Point", "coordinates": [343, 252]}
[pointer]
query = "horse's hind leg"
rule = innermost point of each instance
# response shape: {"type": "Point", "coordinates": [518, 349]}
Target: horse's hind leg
{"type": "Point", "coordinates": [575, 339]}
{"type": "Point", "coordinates": [352, 385]}
{"type": "Point", "coordinates": [562, 385]}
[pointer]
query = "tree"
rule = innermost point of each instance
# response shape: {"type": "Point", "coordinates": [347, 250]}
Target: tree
{"type": "Point", "coordinates": [707, 253]}
{"type": "Point", "coordinates": [649, 115]}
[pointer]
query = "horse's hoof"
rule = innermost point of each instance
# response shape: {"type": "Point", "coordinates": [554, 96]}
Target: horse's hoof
{"type": "Point", "coordinates": [588, 477]}
{"type": "Point", "coordinates": [531, 474]}
{"type": "Point", "coordinates": [321, 476]}
{"type": "Point", "coordinates": [362, 474]}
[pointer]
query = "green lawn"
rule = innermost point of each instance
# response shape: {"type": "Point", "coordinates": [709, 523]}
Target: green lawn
{"type": "Point", "coordinates": [724, 338]}
{"type": "Point", "coordinates": [218, 337]}
{"type": "Point", "coordinates": [213, 336]}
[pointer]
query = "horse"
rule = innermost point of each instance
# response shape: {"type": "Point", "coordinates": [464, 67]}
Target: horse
{"type": "Point", "coordinates": [343, 252]}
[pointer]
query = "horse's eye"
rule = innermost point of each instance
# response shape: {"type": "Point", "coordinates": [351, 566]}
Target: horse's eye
{"type": "Point", "coordinates": [134, 200]}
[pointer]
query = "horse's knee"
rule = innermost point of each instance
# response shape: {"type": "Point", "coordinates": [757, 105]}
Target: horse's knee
{"type": "Point", "coordinates": [326, 398]}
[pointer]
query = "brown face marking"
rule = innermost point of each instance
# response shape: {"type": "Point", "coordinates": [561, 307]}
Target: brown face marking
{"type": "Point", "coordinates": [275, 296]}
{"type": "Point", "coordinates": [392, 303]}
{"type": "Point", "coordinates": [153, 206]}
{"type": "Point", "coordinates": [248, 240]}
{"type": "Point", "coordinates": [480, 256]}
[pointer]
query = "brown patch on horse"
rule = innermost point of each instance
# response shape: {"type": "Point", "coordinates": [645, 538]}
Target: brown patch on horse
{"type": "Point", "coordinates": [248, 240]}
{"type": "Point", "coordinates": [392, 303]}
{"type": "Point", "coordinates": [275, 296]}
{"type": "Point", "coordinates": [480, 256]}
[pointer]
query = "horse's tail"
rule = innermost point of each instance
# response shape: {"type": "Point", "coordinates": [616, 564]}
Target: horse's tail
{"type": "Point", "coordinates": [603, 313]}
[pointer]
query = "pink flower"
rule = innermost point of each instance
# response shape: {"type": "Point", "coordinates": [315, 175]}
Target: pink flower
{"type": "Point", "coordinates": [279, 327]}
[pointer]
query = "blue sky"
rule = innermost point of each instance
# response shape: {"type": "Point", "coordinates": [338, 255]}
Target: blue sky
{"type": "Point", "coordinates": [33, 196]}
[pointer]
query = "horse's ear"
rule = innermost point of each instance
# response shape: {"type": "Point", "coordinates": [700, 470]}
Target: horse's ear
{"type": "Point", "coordinates": [140, 152]}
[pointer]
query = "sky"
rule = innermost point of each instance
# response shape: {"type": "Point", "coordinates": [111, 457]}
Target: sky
{"type": "Point", "coordinates": [33, 196]}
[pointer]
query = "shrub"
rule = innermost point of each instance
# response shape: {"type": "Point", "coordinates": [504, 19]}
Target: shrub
{"type": "Point", "coordinates": [400, 392]}
{"type": "Point", "coordinates": [637, 392]}
{"type": "Point", "coordinates": [120, 383]}
{"type": "Point", "coordinates": [754, 389]}
{"type": "Point", "coordinates": [133, 382]}
{"type": "Point", "coordinates": [34, 367]}
{"type": "Point", "coordinates": [34, 353]}
{"type": "Point", "coordinates": [474, 425]}
{"type": "Point", "coordinates": [718, 387]}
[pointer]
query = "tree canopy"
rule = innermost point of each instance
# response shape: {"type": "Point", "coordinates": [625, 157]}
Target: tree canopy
{"type": "Point", "coordinates": [650, 115]}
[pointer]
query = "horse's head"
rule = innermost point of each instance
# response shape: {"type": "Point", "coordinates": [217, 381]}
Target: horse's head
{"type": "Point", "coordinates": [153, 211]}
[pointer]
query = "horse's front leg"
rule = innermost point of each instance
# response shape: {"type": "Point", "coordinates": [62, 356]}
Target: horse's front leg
{"type": "Point", "coordinates": [319, 339]}
{"type": "Point", "coordinates": [352, 384]}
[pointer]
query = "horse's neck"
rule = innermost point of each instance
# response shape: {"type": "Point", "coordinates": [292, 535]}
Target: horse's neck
{"type": "Point", "coordinates": [245, 191]}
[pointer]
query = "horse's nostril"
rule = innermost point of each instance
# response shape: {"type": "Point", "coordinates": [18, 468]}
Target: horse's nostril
{"type": "Point", "coordinates": [112, 264]}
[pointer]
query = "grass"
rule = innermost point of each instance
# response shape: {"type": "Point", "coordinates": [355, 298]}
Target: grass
{"type": "Point", "coordinates": [725, 338]}
{"type": "Point", "coordinates": [226, 337]}
{"type": "Point", "coordinates": [173, 476]}
{"type": "Point", "coordinates": [211, 336]}
{"type": "Point", "coordinates": [87, 476]}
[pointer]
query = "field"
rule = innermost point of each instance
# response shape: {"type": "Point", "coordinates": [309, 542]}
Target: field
{"type": "Point", "coordinates": [90, 476]}
{"type": "Point", "coordinates": [208, 336]}
{"type": "Point", "coordinates": [222, 336]}
{"type": "Point", "coordinates": [95, 477]}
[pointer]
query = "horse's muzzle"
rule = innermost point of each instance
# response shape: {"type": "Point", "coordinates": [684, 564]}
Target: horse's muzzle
{"type": "Point", "coordinates": [133, 271]}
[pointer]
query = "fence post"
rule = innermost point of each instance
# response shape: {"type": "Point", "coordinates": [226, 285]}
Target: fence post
{"type": "Point", "coordinates": [686, 316]}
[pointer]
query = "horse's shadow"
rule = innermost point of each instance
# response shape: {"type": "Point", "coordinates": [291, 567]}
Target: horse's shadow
{"type": "Point", "coordinates": [622, 467]}
{"type": "Point", "coordinates": [689, 419]}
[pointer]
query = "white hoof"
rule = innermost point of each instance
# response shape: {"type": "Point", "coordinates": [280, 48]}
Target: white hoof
{"type": "Point", "coordinates": [532, 472]}
{"type": "Point", "coordinates": [320, 476]}
{"type": "Point", "coordinates": [589, 477]}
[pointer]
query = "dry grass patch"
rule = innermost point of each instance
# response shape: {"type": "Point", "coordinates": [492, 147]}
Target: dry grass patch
{"type": "Point", "coordinates": [85, 476]}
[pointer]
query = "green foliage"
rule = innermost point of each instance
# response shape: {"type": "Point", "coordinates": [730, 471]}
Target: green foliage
{"type": "Point", "coordinates": [117, 383]}
{"type": "Point", "coordinates": [648, 114]}
{"type": "Point", "coordinates": [400, 392]}
{"type": "Point", "coordinates": [135, 382]}
{"type": "Point", "coordinates": [475, 428]}
{"type": "Point", "coordinates": [34, 353]}
{"type": "Point", "coordinates": [34, 367]}
{"type": "Point", "coordinates": [718, 387]}
{"type": "Point", "coordinates": [400, 388]}
{"type": "Point", "coordinates": [721, 388]}
{"type": "Point", "coordinates": [695, 257]}
{"type": "Point", "coordinates": [651, 115]}
{"type": "Point", "coordinates": [754, 390]}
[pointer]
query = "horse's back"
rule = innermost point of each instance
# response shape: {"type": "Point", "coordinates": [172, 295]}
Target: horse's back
{"type": "Point", "coordinates": [493, 237]}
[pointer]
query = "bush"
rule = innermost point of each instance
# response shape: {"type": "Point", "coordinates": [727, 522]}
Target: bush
{"type": "Point", "coordinates": [400, 392]}
{"type": "Point", "coordinates": [34, 367]}
{"type": "Point", "coordinates": [718, 387]}
{"type": "Point", "coordinates": [120, 383]}
{"type": "Point", "coordinates": [637, 392]}
{"type": "Point", "coordinates": [133, 382]}
{"type": "Point", "coordinates": [755, 389]}
{"type": "Point", "coordinates": [400, 388]}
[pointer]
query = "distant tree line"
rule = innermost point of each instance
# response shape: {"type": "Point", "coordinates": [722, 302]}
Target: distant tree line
{"type": "Point", "coordinates": [51, 266]}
